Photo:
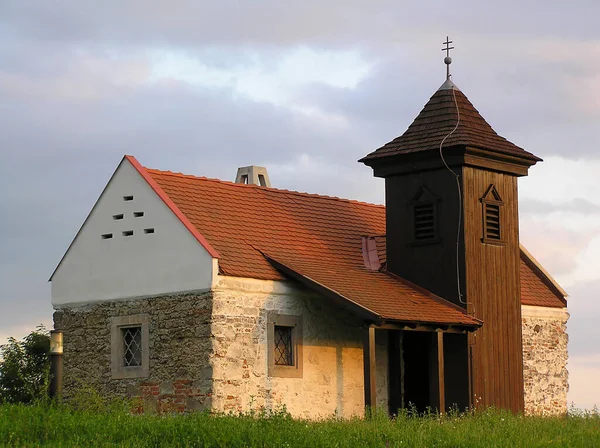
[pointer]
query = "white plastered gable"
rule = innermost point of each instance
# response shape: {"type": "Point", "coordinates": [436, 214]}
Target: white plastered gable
{"type": "Point", "coordinates": [131, 245]}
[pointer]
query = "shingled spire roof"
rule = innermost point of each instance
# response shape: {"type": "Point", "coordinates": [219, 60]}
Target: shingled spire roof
{"type": "Point", "coordinates": [438, 118]}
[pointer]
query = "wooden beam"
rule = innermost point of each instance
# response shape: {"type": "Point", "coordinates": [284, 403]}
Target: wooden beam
{"type": "Point", "coordinates": [395, 371]}
{"type": "Point", "coordinates": [369, 368]}
{"type": "Point", "coordinates": [430, 328]}
{"type": "Point", "coordinates": [437, 397]}
{"type": "Point", "coordinates": [441, 380]}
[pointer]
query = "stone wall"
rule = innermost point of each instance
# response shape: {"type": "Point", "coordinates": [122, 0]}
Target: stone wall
{"type": "Point", "coordinates": [209, 351]}
{"type": "Point", "coordinates": [545, 360]}
{"type": "Point", "coordinates": [179, 347]}
{"type": "Point", "coordinates": [332, 378]}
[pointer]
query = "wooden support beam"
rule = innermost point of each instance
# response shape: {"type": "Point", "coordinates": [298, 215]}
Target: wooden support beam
{"type": "Point", "coordinates": [428, 328]}
{"type": "Point", "coordinates": [369, 368]}
{"type": "Point", "coordinates": [441, 379]}
{"type": "Point", "coordinates": [437, 392]}
{"type": "Point", "coordinates": [395, 371]}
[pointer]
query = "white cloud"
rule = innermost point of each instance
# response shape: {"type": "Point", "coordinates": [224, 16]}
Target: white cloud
{"type": "Point", "coordinates": [262, 76]}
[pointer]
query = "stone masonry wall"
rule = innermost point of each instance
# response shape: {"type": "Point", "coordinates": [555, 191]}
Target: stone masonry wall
{"type": "Point", "coordinates": [209, 351]}
{"type": "Point", "coordinates": [179, 347]}
{"type": "Point", "coordinates": [545, 360]}
{"type": "Point", "coordinates": [332, 380]}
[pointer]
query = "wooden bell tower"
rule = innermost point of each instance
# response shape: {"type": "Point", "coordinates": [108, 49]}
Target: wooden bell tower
{"type": "Point", "coordinates": [453, 228]}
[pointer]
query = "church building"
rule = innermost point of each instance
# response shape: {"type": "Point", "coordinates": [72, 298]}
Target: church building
{"type": "Point", "coordinates": [201, 294]}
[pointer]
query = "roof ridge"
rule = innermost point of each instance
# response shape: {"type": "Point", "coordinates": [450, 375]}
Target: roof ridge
{"type": "Point", "coordinates": [271, 189]}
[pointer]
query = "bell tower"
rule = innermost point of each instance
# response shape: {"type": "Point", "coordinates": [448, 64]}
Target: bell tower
{"type": "Point", "coordinates": [453, 228]}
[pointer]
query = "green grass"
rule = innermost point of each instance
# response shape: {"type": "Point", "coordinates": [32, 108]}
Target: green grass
{"type": "Point", "coordinates": [52, 425]}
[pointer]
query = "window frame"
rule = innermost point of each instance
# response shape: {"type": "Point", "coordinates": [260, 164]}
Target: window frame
{"type": "Point", "coordinates": [283, 320]}
{"type": "Point", "coordinates": [118, 324]}
{"type": "Point", "coordinates": [424, 196]}
{"type": "Point", "coordinates": [492, 197]}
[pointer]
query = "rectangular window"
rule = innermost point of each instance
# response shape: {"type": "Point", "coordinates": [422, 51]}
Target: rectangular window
{"type": "Point", "coordinates": [424, 221]}
{"type": "Point", "coordinates": [132, 346]}
{"type": "Point", "coordinates": [492, 214]}
{"type": "Point", "coordinates": [284, 350]}
{"type": "Point", "coordinates": [130, 350]}
{"type": "Point", "coordinates": [284, 345]}
{"type": "Point", "coordinates": [492, 221]}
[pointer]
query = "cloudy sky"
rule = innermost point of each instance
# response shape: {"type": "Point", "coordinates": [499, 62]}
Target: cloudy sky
{"type": "Point", "coordinates": [305, 88]}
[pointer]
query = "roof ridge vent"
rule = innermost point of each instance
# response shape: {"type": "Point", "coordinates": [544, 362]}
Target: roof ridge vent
{"type": "Point", "coordinates": [253, 175]}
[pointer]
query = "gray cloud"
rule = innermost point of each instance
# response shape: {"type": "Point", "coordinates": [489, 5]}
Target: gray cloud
{"type": "Point", "coordinates": [189, 22]}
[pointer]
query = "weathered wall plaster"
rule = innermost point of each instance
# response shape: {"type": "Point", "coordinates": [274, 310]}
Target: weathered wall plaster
{"type": "Point", "coordinates": [210, 351]}
{"type": "Point", "coordinates": [332, 381]}
{"type": "Point", "coordinates": [545, 360]}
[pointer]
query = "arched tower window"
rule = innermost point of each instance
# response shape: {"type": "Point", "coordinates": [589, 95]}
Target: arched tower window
{"type": "Point", "coordinates": [424, 209]}
{"type": "Point", "coordinates": [492, 216]}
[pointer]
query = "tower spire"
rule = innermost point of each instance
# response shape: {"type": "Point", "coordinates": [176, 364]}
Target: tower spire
{"type": "Point", "coordinates": [447, 59]}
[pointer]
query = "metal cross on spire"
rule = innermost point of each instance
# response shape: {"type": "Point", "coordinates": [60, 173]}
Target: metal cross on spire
{"type": "Point", "coordinates": [447, 59]}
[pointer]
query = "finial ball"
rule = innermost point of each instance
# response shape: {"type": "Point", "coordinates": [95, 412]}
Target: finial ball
{"type": "Point", "coordinates": [447, 60]}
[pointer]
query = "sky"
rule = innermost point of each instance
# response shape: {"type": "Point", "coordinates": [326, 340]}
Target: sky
{"type": "Point", "coordinates": [305, 89]}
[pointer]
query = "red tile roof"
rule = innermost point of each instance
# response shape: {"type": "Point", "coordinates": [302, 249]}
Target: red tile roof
{"type": "Point", "coordinates": [318, 237]}
{"type": "Point", "coordinates": [437, 119]}
{"type": "Point", "coordinates": [536, 288]}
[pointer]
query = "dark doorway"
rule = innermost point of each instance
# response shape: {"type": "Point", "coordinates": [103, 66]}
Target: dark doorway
{"type": "Point", "coordinates": [456, 371]}
{"type": "Point", "coordinates": [416, 351]}
{"type": "Point", "coordinates": [414, 374]}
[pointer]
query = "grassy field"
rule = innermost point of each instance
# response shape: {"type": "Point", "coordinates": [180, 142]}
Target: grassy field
{"type": "Point", "coordinates": [45, 425]}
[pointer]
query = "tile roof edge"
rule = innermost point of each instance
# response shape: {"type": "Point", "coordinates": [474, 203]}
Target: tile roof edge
{"type": "Point", "coordinates": [284, 267]}
{"type": "Point", "coordinates": [271, 189]}
{"type": "Point", "coordinates": [171, 205]}
{"type": "Point", "coordinates": [539, 269]}
{"type": "Point", "coordinates": [432, 295]}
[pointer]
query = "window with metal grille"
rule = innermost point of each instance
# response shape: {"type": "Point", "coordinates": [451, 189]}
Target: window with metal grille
{"type": "Point", "coordinates": [424, 221]}
{"type": "Point", "coordinates": [282, 345]}
{"type": "Point", "coordinates": [492, 221]}
{"type": "Point", "coordinates": [132, 346]}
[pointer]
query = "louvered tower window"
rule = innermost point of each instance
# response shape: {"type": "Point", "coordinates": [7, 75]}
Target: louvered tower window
{"type": "Point", "coordinates": [424, 221]}
{"type": "Point", "coordinates": [424, 208]}
{"type": "Point", "coordinates": [492, 213]}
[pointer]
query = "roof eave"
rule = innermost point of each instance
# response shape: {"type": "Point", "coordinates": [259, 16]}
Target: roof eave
{"type": "Point", "coordinates": [353, 307]}
{"type": "Point", "coordinates": [545, 275]}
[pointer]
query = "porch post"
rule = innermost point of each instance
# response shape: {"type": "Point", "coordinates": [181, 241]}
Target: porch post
{"type": "Point", "coordinates": [437, 393]}
{"type": "Point", "coordinates": [369, 367]}
{"type": "Point", "coordinates": [395, 371]}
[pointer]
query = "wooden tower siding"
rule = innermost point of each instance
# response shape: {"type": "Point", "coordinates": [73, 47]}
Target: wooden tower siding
{"type": "Point", "coordinates": [432, 266]}
{"type": "Point", "coordinates": [492, 356]}
{"type": "Point", "coordinates": [492, 290]}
